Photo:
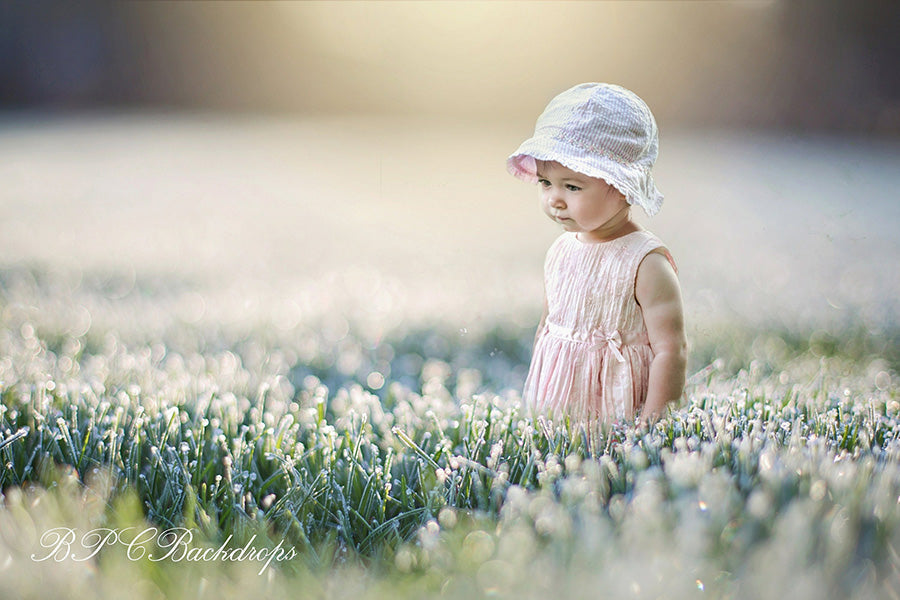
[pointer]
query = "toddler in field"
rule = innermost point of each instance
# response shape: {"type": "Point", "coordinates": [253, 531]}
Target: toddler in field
{"type": "Point", "coordinates": [610, 345]}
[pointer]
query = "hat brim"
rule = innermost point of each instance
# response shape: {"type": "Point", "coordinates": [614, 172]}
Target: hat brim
{"type": "Point", "coordinates": [634, 181]}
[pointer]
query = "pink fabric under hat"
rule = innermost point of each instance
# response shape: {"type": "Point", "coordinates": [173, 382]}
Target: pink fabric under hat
{"type": "Point", "coordinates": [600, 130]}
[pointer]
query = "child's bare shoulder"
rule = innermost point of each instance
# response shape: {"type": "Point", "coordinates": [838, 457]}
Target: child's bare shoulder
{"type": "Point", "coordinates": [655, 246]}
{"type": "Point", "coordinates": [656, 276]}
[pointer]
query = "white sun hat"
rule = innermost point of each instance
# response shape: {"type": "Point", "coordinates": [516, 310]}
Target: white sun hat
{"type": "Point", "coordinates": [599, 130]}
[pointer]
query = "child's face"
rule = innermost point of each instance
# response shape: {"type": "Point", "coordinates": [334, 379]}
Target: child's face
{"type": "Point", "coordinates": [575, 201]}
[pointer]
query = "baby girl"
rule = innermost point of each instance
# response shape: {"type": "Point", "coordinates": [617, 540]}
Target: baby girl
{"type": "Point", "coordinates": [610, 344]}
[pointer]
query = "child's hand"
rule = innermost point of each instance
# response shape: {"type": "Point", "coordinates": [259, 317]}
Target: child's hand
{"type": "Point", "coordinates": [647, 419]}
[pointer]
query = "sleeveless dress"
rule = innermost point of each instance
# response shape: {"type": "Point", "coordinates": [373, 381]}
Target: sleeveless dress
{"type": "Point", "coordinates": [592, 357]}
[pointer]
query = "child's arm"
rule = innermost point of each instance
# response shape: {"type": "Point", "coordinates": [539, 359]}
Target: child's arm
{"type": "Point", "coordinates": [658, 293]}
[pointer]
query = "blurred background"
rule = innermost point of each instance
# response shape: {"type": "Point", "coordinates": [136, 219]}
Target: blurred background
{"type": "Point", "coordinates": [291, 159]}
{"type": "Point", "coordinates": [825, 66]}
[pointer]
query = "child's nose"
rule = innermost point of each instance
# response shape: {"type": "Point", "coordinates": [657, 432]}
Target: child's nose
{"type": "Point", "coordinates": [556, 200]}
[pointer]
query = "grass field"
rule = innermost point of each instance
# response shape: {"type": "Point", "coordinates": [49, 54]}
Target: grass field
{"type": "Point", "coordinates": [284, 377]}
{"type": "Point", "coordinates": [392, 474]}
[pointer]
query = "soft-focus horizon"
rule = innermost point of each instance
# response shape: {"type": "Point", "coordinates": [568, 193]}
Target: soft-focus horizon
{"type": "Point", "coordinates": [764, 64]}
{"type": "Point", "coordinates": [274, 151]}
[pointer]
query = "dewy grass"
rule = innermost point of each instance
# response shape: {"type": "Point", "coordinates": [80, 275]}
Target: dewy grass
{"type": "Point", "coordinates": [766, 479]}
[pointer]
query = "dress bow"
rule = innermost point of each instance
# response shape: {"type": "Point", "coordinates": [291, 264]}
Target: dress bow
{"type": "Point", "coordinates": [613, 340]}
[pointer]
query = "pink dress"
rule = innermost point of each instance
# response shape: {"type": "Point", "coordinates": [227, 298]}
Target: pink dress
{"type": "Point", "coordinates": [592, 357]}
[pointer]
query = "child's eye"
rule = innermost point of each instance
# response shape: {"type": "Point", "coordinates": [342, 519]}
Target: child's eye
{"type": "Point", "coordinates": [572, 188]}
{"type": "Point", "coordinates": [544, 182]}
